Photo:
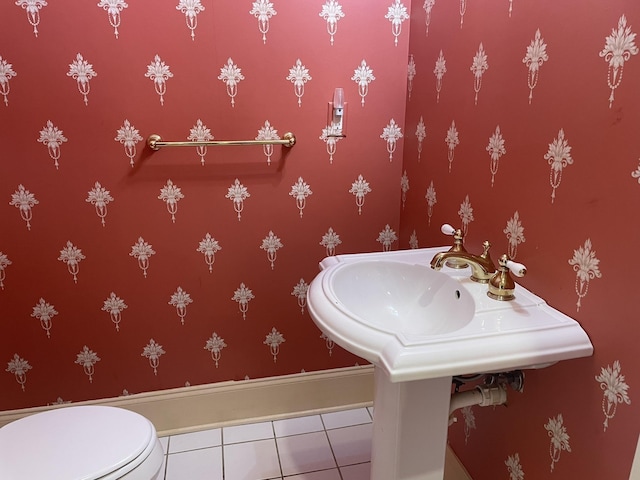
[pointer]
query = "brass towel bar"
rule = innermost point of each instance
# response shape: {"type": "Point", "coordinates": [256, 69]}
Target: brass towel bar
{"type": "Point", "coordinates": [155, 142]}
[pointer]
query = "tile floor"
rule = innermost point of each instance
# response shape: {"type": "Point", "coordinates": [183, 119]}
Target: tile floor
{"type": "Point", "coordinates": [329, 446]}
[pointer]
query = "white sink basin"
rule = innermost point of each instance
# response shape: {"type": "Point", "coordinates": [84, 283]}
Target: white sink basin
{"type": "Point", "coordinates": [394, 297]}
{"type": "Point", "coordinates": [416, 323]}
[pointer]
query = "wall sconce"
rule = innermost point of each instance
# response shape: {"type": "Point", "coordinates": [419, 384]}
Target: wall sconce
{"type": "Point", "coordinates": [337, 115]}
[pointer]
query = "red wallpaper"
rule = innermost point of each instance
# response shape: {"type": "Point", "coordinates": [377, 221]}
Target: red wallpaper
{"type": "Point", "coordinates": [529, 140]}
{"type": "Point", "coordinates": [124, 270]}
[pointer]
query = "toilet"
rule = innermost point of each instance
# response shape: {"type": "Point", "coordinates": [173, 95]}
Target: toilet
{"type": "Point", "coordinates": [80, 443]}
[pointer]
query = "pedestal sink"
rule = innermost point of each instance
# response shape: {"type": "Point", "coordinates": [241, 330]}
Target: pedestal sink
{"type": "Point", "coordinates": [421, 327]}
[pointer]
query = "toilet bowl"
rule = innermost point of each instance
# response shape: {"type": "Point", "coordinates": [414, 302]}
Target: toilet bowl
{"type": "Point", "coordinates": [80, 443]}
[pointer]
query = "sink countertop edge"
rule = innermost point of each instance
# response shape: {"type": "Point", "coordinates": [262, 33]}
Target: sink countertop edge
{"type": "Point", "coordinates": [471, 356]}
{"type": "Point", "coordinates": [335, 334]}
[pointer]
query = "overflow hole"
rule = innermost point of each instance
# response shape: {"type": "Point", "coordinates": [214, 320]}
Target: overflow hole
{"type": "Point", "coordinates": [458, 294]}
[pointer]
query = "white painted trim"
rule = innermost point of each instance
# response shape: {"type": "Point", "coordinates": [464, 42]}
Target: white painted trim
{"type": "Point", "coordinates": [188, 409]}
{"type": "Point", "coordinates": [184, 409]}
{"type": "Point", "coordinates": [453, 468]}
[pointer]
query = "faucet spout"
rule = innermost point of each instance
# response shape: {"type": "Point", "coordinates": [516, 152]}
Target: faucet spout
{"type": "Point", "coordinates": [482, 267]}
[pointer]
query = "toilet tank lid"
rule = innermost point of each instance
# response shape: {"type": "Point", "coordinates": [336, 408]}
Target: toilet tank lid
{"type": "Point", "coordinates": [76, 442]}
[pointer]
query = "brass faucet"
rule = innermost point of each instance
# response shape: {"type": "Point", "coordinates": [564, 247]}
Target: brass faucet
{"type": "Point", "coordinates": [483, 270]}
{"type": "Point", "coordinates": [482, 266]}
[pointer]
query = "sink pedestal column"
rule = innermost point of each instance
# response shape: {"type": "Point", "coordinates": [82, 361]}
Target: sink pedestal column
{"type": "Point", "coordinates": [410, 423]}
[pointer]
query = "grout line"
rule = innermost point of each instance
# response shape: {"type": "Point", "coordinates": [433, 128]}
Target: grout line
{"type": "Point", "coordinates": [285, 477]}
{"type": "Point", "coordinates": [223, 444]}
{"type": "Point", "coordinates": [222, 451]}
{"type": "Point", "coordinates": [166, 460]}
{"type": "Point", "coordinates": [333, 454]}
{"type": "Point", "coordinates": [195, 449]}
{"type": "Point", "coordinates": [275, 441]}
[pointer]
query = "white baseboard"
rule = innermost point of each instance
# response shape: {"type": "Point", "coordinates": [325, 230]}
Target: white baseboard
{"type": "Point", "coordinates": [189, 409]}
{"type": "Point", "coordinates": [185, 409]}
{"type": "Point", "coordinates": [453, 468]}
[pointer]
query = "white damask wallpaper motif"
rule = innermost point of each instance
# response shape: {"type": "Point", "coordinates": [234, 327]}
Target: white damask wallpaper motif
{"type": "Point", "coordinates": [618, 49]}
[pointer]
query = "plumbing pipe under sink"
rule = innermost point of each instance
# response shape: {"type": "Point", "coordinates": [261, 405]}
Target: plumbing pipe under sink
{"type": "Point", "coordinates": [492, 392]}
{"type": "Point", "coordinates": [482, 395]}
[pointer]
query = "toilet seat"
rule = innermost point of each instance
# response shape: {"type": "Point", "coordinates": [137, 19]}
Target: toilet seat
{"type": "Point", "coordinates": [80, 443]}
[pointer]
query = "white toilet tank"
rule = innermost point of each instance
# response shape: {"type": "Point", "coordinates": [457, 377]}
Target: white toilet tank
{"type": "Point", "coordinates": [80, 443]}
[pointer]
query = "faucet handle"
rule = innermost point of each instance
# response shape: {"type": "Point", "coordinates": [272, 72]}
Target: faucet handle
{"type": "Point", "coordinates": [518, 269]}
{"type": "Point", "coordinates": [458, 247]}
{"type": "Point", "coordinates": [457, 234]}
{"type": "Point", "coordinates": [447, 229]}
{"type": "Point", "coordinates": [501, 285]}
